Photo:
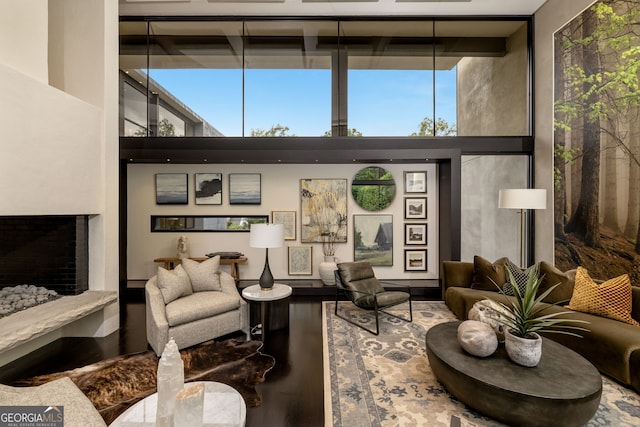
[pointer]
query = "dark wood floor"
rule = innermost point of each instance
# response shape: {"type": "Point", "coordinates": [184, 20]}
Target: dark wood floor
{"type": "Point", "coordinates": [292, 393]}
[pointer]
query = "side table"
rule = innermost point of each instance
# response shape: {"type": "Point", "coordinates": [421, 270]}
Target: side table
{"type": "Point", "coordinates": [223, 406]}
{"type": "Point", "coordinates": [265, 297]}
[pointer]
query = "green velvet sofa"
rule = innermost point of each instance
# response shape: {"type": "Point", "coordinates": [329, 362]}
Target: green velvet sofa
{"type": "Point", "coordinates": [612, 346]}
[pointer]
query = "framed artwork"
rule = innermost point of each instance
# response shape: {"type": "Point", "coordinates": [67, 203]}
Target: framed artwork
{"type": "Point", "coordinates": [415, 260]}
{"type": "Point", "coordinates": [415, 234]}
{"type": "Point", "coordinates": [288, 220]}
{"type": "Point", "coordinates": [300, 260]}
{"type": "Point", "coordinates": [208, 188]}
{"type": "Point", "coordinates": [373, 239]}
{"type": "Point", "coordinates": [323, 211]}
{"type": "Point", "coordinates": [245, 189]}
{"type": "Point", "coordinates": [172, 189]}
{"type": "Point", "coordinates": [415, 208]}
{"type": "Point", "coordinates": [415, 182]}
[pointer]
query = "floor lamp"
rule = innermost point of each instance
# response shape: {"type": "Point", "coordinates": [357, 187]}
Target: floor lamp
{"type": "Point", "coordinates": [522, 198]}
{"type": "Point", "coordinates": [266, 236]}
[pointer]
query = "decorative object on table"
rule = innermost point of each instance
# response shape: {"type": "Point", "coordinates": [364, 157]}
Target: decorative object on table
{"type": "Point", "coordinates": [208, 188]}
{"type": "Point", "coordinates": [183, 247]}
{"type": "Point", "coordinates": [415, 208]}
{"type": "Point", "coordinates": [225, 255]}
{"type": "Point", "coordinates": [415, 234]}
{"type": "Point", "coordinates": [488, 311]}
{"type": "Point", "coordinates": [189, 406]}
{"type": "Point", "coordinates": [323, 212]}
{"type": "Point", "coordinates": [525, 317]}
{"type": "Point", "coordinates": [327, 269]}
{"type": "Point", "coordinates": [172, 189]}
{"type": "Point", "coordinates": [266, 236]}
{"type": "Point", "coordinates": [373, 239]}
{"type": "Point", "coordinates": [245, 189]}
{"type": "Point", "coordinates": [522, 199]}
{"type": "Point", "coordinates": [477, 338]}
{"type": "Point", "coordinates": [373, 188]}
{"type": "Point", "coordinates": [300, 260]}
{"type": "Point", "coordinates": [415, 260]}
{"type": "Point", "coordinates": [170, 380]}
{"type": "Point", "coordinates": [288, 220]}
{"type": "Point", "coordinates": [415, 182]}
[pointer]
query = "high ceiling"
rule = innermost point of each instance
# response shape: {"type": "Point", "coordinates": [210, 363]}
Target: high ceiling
{"type": "Point", "coordinates": [329, 7]}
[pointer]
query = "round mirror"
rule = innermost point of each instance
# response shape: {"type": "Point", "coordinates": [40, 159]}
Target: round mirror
{"type": "Point", "coordinates": [373, 188]}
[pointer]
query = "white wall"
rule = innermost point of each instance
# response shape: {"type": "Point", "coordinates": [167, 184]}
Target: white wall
{"type": "Point", "coordinates": [280, 191]}
{"type": "Point", "coordinates": [552, 16]}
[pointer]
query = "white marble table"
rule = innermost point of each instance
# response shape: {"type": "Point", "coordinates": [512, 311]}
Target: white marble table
{"type": "Point", "coordinates": [264, 297]}
{"type": "Point", "coordinates": [223, 407]}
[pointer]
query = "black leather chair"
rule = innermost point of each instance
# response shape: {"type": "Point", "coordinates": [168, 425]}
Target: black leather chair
{"type": "Point", "coordinates": [359, 283]}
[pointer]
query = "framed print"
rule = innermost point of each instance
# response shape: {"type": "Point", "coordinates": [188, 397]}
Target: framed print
{"type": "Point", "coordinates": [208, 188]}
{"type": "Point", "coordinates": [172, 189]}
{"type": "Point", "coordinates": [415, 208]}
{"type": "Point", "coordinates": [245, 189]}
{"type": "Point", "coordinates": [415, 234]}
{"type": "Point", "coordinates": [288, 220]}
{"type": "Point", "coordinates": [323, 211]}
{"type": "Point", "coordinates": [300, 260]}
{"type": "Point", "coordinates": [373, 239]}
{"type": "Point", "coordinates": [415, 260]}
{"type": "Point", "coordinates": [415, 182]}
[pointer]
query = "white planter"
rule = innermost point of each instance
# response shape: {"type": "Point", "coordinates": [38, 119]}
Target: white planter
{"type": "Point", "coordinates": [327, 270]}
{"type": "Point", "coordinates": [523, 351]}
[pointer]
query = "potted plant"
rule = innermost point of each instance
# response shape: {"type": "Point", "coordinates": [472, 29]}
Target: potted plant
{"type": "Point", "coordinates": [524, 317]}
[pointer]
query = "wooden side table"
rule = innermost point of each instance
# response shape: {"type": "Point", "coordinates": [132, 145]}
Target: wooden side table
{"type": "Point", "coordinates": [170, 263]}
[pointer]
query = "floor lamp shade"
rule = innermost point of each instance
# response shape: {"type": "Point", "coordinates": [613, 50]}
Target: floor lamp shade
{"type": "Point", "coordinates": [522, 199]}
{"type": "Point", "coordinates": [266, 236]}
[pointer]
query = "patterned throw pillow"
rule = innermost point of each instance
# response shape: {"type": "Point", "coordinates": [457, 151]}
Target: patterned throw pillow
{"type": "Point", "coordinates": [610, 299]}
{"type": "Point", "coordinates": [519, 276]}
{"type": "Point", "coordinates": [205, 276]}
{"type": "Point", "coordinates": [173, 284]}
{"type": "Point", "coordinates": [486, 275]}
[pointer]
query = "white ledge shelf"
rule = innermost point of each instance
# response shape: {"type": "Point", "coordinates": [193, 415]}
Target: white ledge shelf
{"type": "Point", "coordinates": [34, 322]}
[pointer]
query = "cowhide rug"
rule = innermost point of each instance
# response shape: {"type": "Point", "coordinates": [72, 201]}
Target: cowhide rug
{"type": "Point", "coordinates": [113, 385]}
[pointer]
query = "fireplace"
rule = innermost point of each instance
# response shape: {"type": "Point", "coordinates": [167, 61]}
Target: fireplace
{"type": "Point", "coordinates": [49, 251]}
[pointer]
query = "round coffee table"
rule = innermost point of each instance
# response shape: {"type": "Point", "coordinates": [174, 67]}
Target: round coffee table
{"type": "Point", "coordinates": [563, 390]}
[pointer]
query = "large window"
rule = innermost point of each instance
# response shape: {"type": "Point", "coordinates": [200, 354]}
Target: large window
{"type": "Point", "coordinates": [323, 78]}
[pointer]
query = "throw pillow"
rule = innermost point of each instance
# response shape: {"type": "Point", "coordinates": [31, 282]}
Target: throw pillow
{"type": "Point", "coordinates": [204, 276]}
{"type": "Point", "coordinates": [519, 276]}
{"type": "Point", "coordinates": [486, 275]}
{"type": "Point", "coordinates": [610, 299]}
{"type": "Point", "coordinates": [552, 276]}
{"type": "Point", "coordinates": [173, 284]}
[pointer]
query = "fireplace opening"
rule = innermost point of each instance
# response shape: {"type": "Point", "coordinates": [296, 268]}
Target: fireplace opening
{"type": "Point", "coordinates": [46, 251]}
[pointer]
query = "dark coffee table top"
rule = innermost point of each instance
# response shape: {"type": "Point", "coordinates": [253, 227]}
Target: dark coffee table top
{"type": "Point", "coordinates": [562, 378]}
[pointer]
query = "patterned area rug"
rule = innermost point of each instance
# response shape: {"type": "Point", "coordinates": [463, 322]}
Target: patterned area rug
{"type": "Point", "coordinates": [385, 380]}
{"type": "Point", "coordinates": [113, 385]}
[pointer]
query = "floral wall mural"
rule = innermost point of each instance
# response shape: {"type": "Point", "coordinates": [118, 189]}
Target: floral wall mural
{"type": "Point", "coordinates": [597, 140]}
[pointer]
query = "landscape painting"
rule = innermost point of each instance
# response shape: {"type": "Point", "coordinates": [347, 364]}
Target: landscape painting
{"type": "Point", "coordinates": [172, 189]}
{"type": "Point", "coordinates": [597, 141]}
{"type": "Point", "coordinates": [373, 239]}
{"type": "Point", "coordinates": [208, 188]}
{"type": "Point", "coordinates": [245, 189]}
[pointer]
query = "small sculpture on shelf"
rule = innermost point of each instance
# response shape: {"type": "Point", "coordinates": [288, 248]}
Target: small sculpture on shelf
{"type": "Point", "coordinates": [183, 247]}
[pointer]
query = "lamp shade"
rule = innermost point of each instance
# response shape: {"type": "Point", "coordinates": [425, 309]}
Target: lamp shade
{"type": "Point", "coordinates": [266, 235]}
{"type": "Point", "coordinates": [522, 198]}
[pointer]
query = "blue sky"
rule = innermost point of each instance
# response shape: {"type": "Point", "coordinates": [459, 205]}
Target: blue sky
{"type": "Point", "coordinates": [381, 102]}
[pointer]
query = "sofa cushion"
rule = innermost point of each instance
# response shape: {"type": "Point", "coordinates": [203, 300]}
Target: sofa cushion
{"type": "Point", "coordinates": [204, 276]}
{"type": "Point", "coordinates": [519, 277]}
{"type": "Point", "coordinates": [173, 284]}
{"type": "Point", "coordinates": [610, 299]}
{"type": "Point", "coordinates": [552, 276]}
{"type": "Point", "coordinates": [199, 306]}
{"type": "Point", "coordinates": [486, 275]}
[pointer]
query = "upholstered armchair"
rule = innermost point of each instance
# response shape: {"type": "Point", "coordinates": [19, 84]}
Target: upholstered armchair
{"type": "Point", "coordinates": [358, 282]}
{"type": "Point", "coordinates": [193, 303]}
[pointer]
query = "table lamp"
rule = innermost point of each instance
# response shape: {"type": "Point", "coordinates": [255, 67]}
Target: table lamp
{"type": "Point", "coordinates": [266, 236]}
{"type": "Point", "coordinates": [522, 198]}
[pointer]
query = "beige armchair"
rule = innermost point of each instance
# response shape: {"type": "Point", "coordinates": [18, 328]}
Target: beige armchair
{"type": "Point", "coordinates": [196, 317]}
